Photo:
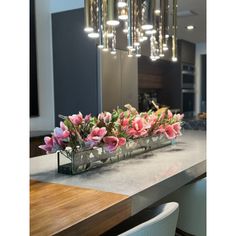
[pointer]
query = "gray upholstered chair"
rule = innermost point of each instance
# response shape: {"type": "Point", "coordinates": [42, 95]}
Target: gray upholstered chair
{"type": "Point", "coordinates": [163, 223]}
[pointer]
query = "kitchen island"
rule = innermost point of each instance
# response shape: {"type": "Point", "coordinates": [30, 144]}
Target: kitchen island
{"type": "Point", "coordinates": [133, 184]}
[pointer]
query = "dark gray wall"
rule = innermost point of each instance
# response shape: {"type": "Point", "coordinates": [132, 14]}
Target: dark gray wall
{"type": "Point", "coordinates": [75, 65]}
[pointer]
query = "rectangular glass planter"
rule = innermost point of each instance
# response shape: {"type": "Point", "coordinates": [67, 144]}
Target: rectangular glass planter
{"type": "Point", "coordinates": [77, 162]}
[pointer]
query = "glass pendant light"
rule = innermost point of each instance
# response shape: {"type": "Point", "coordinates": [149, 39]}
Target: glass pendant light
{"type": "Point", "coordinates": [174, 29]}
{"type": "Point", "coordinates": [88, 16]}
{"type": "Point", "coordinates": [125, 30]}
{"type": "Point", "coordinates": [123, 13]}
{"type": "Point", "coordinates": [130, 26]}
{"type": "Point", "coordinates": [138, 51]}
{"type": "Point", "coordinates": [112, 13]}
{"type": "Point", "coordinates": [100, 25]}
{"type": "Point", "coordinates": [166, 25]}
{"type": "Point", "coordinates": [130, 51]}
{"type": "Point", "coordinates": [113, 44]}
{"type": "Point", "coordinates": [141, 20]}
{"type": "Point", "coordinates": [147, 15]}
{"type": "Point", "coordinates": [157, 8]}
{"type": "Point", "coordinates": [94, 19]}
{"type": "Point", "coordinates": [105, 42]}
{"type": "Point", "coordinates": [136, 22]}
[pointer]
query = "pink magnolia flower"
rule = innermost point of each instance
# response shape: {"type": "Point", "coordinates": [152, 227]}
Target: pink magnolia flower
{"type": "Point", "coordinates": [50, 145]}
{"type": "Point", "coordinates": [62, 132]}
{"type": "Point", "coordinates": [63, 126]}
{"type": "Point", "coordinates": [170, 132]}
{"type": "Point", "coordinates": [139, 128]}
{"type": "Point", "coordinates": [177, 128]}
{"type": "Point", "coordinates": [170, 115]}
{"type": "Point", "coordinates": [87, 118]}
{"type": "Point", "coordinates": [105, 117]}
{"type": "Point", "coordinates": [76, 119]}
{"type": "Point", "coordinates": [95, 136]}
{"type": "Point", "coordinates": [159, 130]}
{"type": "Point", "coordinates": [178, 117]}
{"type": "Point", "coordinates": [124, 123]}
{"type": "Point", "coordinates": [112, 143]}
{"type": "Point", "coordinates": [151, 119]}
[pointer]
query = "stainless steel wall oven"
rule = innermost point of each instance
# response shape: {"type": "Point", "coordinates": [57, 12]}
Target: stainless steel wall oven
{"type": "Point", "coordinates": [188, 89]}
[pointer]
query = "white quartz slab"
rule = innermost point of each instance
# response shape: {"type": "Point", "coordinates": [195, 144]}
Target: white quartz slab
{"type": "Point", "coordinates": [185, 160]}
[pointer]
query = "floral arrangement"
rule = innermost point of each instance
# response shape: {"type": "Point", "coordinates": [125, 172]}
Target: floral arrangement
{"type": "Point", "coordinates": [111, 130]}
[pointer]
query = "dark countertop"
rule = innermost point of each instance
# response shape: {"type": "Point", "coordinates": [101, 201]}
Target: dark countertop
{"type": "Point", "coordinates": [39, 133]}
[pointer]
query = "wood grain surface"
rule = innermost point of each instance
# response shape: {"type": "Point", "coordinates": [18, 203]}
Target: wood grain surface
{"type": "Point", "coordinates": [67, 210]}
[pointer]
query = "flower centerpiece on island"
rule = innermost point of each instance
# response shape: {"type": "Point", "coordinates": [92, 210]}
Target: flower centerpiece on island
{"type": "Point", "coordinates": [110, 131]}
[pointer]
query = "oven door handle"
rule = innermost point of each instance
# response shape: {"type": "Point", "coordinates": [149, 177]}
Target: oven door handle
{"type": "Point", "coordinates": [188, 91]}
{"type": "Point", "coordinates": [185, 72]}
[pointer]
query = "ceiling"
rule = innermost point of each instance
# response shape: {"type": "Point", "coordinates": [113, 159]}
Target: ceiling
{"type": "Point", "coordinates": [199, 20]}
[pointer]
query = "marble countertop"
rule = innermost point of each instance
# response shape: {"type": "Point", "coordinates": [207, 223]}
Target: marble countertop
{"type": "Point", "coordinates": [146, 178]}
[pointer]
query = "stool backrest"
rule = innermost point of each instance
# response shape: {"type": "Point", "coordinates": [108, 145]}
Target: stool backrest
{"type": "Point", "coordinates": [163, 224]}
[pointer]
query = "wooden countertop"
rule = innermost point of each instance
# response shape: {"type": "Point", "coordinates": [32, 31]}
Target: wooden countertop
{"type": "Point", "coordinates": [67, 210]}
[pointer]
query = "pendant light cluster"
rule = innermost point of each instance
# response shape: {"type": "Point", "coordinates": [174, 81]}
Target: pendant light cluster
{"type": "Point", "coordinates": [141, 20]}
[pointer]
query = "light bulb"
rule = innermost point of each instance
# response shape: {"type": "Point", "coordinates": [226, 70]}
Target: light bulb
{"type": "Point", "coordinates": [147, 27]}
{"type": "Point", "coordinates": [165, 48]}
{"type": "Point", "coordinates": [150, 32]}
{"type": "Point", "coordinates": [143, 38]}
{"type": "Point", "coordinates": [88, 29]}
{"type": "Point", "coordinates": [121, 4]}
{"type": "Point", "coordinates": [110, 35]}
{"type": "Point", "coordinates": [93, 35]}
{"type": "Point", "coordinates": [153, 58]}
{"type": "Point", "coordinates": [190, 27]}
{"type": "Point", "coordinates": [123, 17]}
{"type": "Point", "coordinates": [113, 22]}
{"type": "Point", "coordinates": [174, 59]}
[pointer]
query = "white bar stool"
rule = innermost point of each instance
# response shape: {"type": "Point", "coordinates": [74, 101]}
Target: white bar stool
{"type": "Point", "coordinates": [163, 223]}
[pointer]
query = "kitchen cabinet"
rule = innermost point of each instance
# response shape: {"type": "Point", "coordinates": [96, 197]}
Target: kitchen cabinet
{"type": "Point", "coordinates": [74, 66]}
{"type": "Point", "coordinates": [162, 80]}
{"type": "Point", "coordinates": [119, 80]}
{"type": "Point", "coordinates": [186, 52]}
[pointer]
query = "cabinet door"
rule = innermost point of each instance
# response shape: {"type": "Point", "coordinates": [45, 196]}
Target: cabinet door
{"type": "Point", "coordinates": [129, 79]}
{"type": "Point", "coordinates": [110, 78]}
{"type": "Point", "coordinates": [187, 51]}
{"type": "Point", "coordinates": [118, 80]}
{"type": "Point", "coordinates": [74, 65]}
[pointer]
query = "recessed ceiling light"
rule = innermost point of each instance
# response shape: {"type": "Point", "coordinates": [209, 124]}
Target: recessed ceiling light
{"type": "Point", "coordinates": [190, 27]}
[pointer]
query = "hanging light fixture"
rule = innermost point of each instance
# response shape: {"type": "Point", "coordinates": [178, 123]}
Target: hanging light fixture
{"type": "Point", "coordinates": [141, 20]}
